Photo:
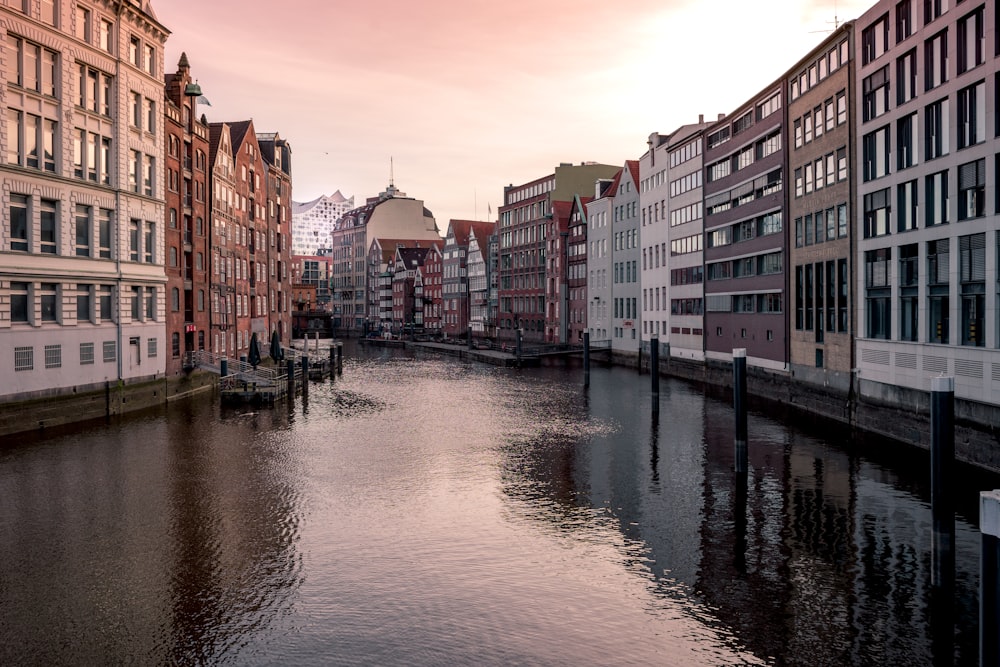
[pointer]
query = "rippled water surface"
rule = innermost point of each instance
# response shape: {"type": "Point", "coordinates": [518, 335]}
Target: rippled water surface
{"type": "Point", "coordinates": [422, 511]}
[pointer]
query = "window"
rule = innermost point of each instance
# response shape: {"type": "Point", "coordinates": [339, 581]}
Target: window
{"type": "Point", "coordinates": [110, 350]}
{"type": "Point", "coordinates": [19, 222]}
{"type": "Point", "coordinates": [82, 230]}
{"type": "Point", "coordinates": [24, 358]}
{"type": "Point", "coordinates": [48, 302]}
{"type": "Point", "coordinates": [876, 154]}
{"type": "Point", "coordinates": [150, 60]}
{"type": "Point", "coordinates": [135, 51]}
{"type": "Point", "coordinates": [933, 9]}
{"type": "Point", "coordinates": [906, 77]}
{"type": "Point", "coordinates": [31, 140]}
{"type": "Point", "coordinates": [876, 206]}
{"type": "Point", "coordinates": [135, 109]}
{"type": "Point", "coordinates": [797, 125]}
{"type": "Point", "coordinates": [875, 40]}
{"type": "Point", "coordinates": [136, 303]}
{"type": "Point", "coordinates": [134, 171]}
{"type": "Point", "coordinates": [972, 115]}
{"type": "Point", "coordinates": [936, 60]}
{"type": "Point", "coordinates": [48, 233]}
{"type": "Point", "coordinates": [53, 356]}
{"type": "Point", "coordinates": [94, 89]}
{"type": "Point", "coordinates": [106, 36]}
{"type": "Point", "coordinates": [972, 190]}
{"type": "Point", "coordinates": [904, 20]}
{"type": "Point", "coordinates": [906, 141]}
{"type": "Point", "coordinates": [149, 245]}
{"type": "Point", "coordinates": [82, 27]}
{"type": "Point", "coordinates": [842, 164]}
{"type": "Point", "coordinates": [841, 107]}
{"type": "Point", "coordinates": [151, 346]}
{"type": "Point", "coordinates": [972, 277]}
{"type": "Point", "coordinates": [971, 40]}
{"type": "Point", "coordinates": [150, 116]}
{"type": "Point", "coordinates": [906, 206]}
{"type": "Point", "coordinates": [175, 299]}
{"type": "Point", "coordinates": [104, 232]}
{"type": "Point", "coordinates": [936, 197]}
{"type": "Point", "coordinates": [149, 176]}
{"type": "Point", "coordinates": [19, 302]}
{"type": "Point", "coordinates": [936, 129]}
{"type": "Point", "coordinates": [32, 67]}
{"type": "Point", "coordinates": [84, 303]}
{"type": "Point", "coordinates": [842, 220]}
{"type": "Point", "coordinates": [878, 308]}
{"type": "Point", "coordinates": [86, 354]}
{"type": "Point", "coordinates": [104, 303]}
{"type": "Point", "coordinates": [875, 95]}
{"type": "Point", "coordinates": [938, 311]}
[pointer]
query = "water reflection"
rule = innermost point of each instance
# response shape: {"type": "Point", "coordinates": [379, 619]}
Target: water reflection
{"type": "Point", "coordinates": [422, 511]}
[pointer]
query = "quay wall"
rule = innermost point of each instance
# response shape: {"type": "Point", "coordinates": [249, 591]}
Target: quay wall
{"type": "Point", "coordinates": [857, 406]}
{"type": "Point", "coordinates": [50, 409]}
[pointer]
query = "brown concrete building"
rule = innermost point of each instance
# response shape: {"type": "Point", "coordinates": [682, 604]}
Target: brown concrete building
{"type": "Point", "coordinates": [820, 207]}
{"type": "Point", "coordinates": [186, 238]}
{"type": "Point", "coordinates": [745, 236]}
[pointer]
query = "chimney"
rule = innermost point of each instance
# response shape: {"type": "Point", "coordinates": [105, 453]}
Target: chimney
{"type": "Point", "coordinates": [721, 116]}
{"type": "Point", "coordinates": [701, 118]}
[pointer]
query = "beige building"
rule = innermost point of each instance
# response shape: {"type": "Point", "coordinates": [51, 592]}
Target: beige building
{"type": "Point", "coordinates": [81, 249]}
{"type": "Point", "coordinates": [821, 212]}
{"type": "Point", "coordinates": [389, 215]}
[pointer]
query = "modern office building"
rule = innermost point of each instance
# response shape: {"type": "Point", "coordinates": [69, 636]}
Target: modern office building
{"type": "Point", "coordinates": [744, 239]}
{"type": "Point", "coordinates": [927, 204]}
{"type": "Point", "coordinates": [313, 221]}
{"type": "Point", "coordinates": [82, 276]}
{"type": "Point", "coordinates": [820, 209]}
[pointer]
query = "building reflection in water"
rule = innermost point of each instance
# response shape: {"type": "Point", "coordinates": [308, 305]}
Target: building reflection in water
{"type": "Point", "coordinates": [822, 550]}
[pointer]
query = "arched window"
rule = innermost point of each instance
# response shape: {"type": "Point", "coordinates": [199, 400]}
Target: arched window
{"type": "Point", "coordinates": [175, 299]}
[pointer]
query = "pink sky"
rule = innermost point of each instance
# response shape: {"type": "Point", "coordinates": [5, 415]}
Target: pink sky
{"type": "Point", "coordinates": [467, 96]}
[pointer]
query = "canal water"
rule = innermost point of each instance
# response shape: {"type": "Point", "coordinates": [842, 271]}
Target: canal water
{"type": "Point", "coordinates": [424, 511]}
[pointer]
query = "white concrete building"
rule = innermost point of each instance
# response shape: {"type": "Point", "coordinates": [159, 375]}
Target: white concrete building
{"type": "Point", "coordinates": [672, 284]}
{"type": "Point", "coordinates": [313, 221]}
{"type": "Point", "coordinates": [81, 248]}
{"type": "Point", "coordinates": [600, 213]}
{"type": "Point", "coordinates": [927, 206]}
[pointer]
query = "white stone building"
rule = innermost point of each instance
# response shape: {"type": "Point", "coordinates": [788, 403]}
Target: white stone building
{"type": "Point", "coordinates": [81, 247]}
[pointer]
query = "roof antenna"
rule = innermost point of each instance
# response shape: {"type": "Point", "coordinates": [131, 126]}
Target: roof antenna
{"type": "Point", "coordinates": [390, 172]}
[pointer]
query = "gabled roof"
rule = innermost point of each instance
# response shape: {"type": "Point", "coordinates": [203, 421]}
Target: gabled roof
{"type": "Point", "coordinates": [239, 130]}
{"type": "Point", "coordinates": [387, 247]}
{"type": "Point", "coordinates": [615, 182]}
{"type": "Point", "coordinates": [633, 169]}
{"type": "Point", "coordinates": [463, 228]}
{"type": "Point", "coordinates": [411, 258]}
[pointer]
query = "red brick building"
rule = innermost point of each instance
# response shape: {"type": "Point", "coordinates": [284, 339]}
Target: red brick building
{"type": "Point", "coordinates": [186, 236]}
{"type": "Point", "coordinates": [576, 269]}
{"type": "Point", "coordinates": [277, 156]}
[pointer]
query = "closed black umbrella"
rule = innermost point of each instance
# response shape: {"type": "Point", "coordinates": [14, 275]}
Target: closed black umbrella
{"type": "Point", "coordinates": [254, 355]}
{"type": "Point", "coordinates": [275, 347]}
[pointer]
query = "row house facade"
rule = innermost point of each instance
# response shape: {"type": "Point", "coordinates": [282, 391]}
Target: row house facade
{"type": "Point", "coordinates": [82, 280]}
{"type": "Point", "coordinates": [482, 264]}
{"type": "Point", "coordinates": [277, 154]}
{"type": "Point", "coordinates": [599, 213]}
{"type": "Point", "coordinates": [557, 272]}
{"type": "Point", "coordinates": [460, 233]}
{"type": "Point", "coordinates": [389, 215]}
{"type": "Point", "coordinates": [522, 232]}
{"type": "Point", "coordinates": [928, 76]}
{"type": "Point", "coordinates": [186, 234]}
{"type": "Point", "coordinates": [744, 240]}
{"type": "Point", "coordinates": [381, 263]}
{"type": "Point", "coordinates": [576, 269]}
